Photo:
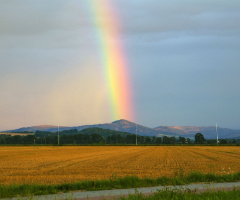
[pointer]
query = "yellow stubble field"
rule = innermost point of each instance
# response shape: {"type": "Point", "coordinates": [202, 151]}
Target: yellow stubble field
{"type": "Point", "coordinates": [65, 164]}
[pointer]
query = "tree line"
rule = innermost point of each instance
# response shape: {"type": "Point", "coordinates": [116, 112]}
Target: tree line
{"type": "Point", "coordinates": [93, 138]}
{"type": "Point", "coordinates": [199, 139]}
{"type": "Point", "coordinates": [103, 136]}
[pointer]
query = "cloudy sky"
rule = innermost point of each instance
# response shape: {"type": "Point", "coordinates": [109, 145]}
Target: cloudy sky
{"type": "Point", "coordinates": [183, 61]}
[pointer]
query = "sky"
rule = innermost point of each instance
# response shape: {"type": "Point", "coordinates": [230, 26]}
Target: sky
{"type": "Point", "coordinates": [183, 62]}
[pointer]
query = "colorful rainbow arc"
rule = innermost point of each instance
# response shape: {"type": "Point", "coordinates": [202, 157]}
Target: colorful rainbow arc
{"type": "Point", "coordinates": [114, 59]}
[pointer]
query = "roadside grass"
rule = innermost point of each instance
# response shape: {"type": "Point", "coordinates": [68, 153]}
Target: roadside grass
{"type": "Point", "coordinates": [178, 195]}
{"type": "Point", "coordinates": [114, 182]}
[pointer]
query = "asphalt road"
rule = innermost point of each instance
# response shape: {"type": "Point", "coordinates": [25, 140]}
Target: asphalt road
{"type": "Point", "coordinates": [110, 194]}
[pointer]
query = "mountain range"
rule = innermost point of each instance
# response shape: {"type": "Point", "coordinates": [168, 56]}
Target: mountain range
{"type": "Point", "coordinates": [130, 127]}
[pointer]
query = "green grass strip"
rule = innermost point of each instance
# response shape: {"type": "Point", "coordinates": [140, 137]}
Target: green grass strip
{"type": "Point", "coordinates": [209, 195]}
{"type": "Point", "coordinates": [114, 182]}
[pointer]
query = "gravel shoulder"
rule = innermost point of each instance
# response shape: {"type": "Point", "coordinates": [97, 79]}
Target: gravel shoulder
{"type": "Point", "coordinates": [112, 194]}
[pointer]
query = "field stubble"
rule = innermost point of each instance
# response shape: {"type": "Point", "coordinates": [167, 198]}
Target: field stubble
{"type": "Point", "coordinates": [66, 164]}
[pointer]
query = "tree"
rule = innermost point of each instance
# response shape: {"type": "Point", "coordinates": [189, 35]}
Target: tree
{"type": "Point", "coordinates": [29, 139]}
{"type": "Point", "coordinates": [78, 138]}
{"type": "Point", "coordinates": [199, 138]}
{"type": "Point", "coordinates": [173, 140]}
{"type": "Point", "coordinates": [223, 141]}
{"type": "Point", "coordinates": [211, 141]}
{"type": "Point", "coordinates": [131, 139]}
{"type": "Point", "coordinates": [115, 139]}
{"type": "Point", "coordinates": [188, 141]}
{"type": "Point", "coordinates": [96, 138]}
{"type": "Point", "coordinates": [140, 139]}
{"type": "Point", "coordinates": [166, 140]}
{"type": "Point", "coordinates": [158, 140]}
{"type": "Point", "coordinates": [120, 139]}
{"type": "Point", "coordinates": [154, 139]}
{"type": "Point", "coordinates": [111, 139]}
{"type": "Point", "coordinates": [182, 140]}
{"type": "Point", "coordinates": [86, 139]}
{"type": "Point", "coordinates": [234, 141]}
{"type": "Point", "coordinates": [147, 140]}
{"type": "Point", "coordinates": [17, 139]}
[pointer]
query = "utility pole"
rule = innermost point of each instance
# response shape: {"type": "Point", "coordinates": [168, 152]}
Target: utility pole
{"type": "Point", "coordinates": [217, 133]}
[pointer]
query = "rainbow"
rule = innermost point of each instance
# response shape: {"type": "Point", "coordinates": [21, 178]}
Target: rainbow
{"type": "Point", "coordinates": [113, 59]}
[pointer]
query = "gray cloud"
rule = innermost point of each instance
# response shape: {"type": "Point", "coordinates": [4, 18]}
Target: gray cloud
{"type": "Point", "coordinates": [183, 57]}
{"type": "Point", "coordinates": [190, 17]}
{"type": "Point", "coordinates": [38, 17]}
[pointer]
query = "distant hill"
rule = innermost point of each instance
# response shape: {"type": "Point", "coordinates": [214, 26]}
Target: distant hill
{"type": "Point", "coordinates": [13, 134]}
{"type": "Point", "coordinates": [95, 130]}
{"type": "Point", "coordinates": [130, 127]}
{"type": "Point", "coordinates": [209, 132]}
{"type": "Point", "coordinates": [119, 125]}
{"type": "Point", "coordinates": [50, 128]}
{"type": "Point", "coordinates": [170, 131]}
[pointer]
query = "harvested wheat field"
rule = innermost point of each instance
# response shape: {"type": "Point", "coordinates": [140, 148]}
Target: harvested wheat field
{"type": "Point", "coordinates": [52, 165]}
